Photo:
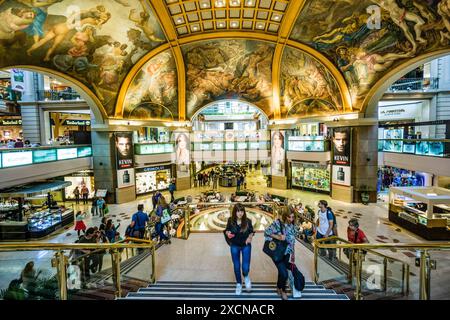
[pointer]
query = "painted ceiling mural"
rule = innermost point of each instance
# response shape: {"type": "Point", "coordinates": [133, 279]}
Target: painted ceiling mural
{"type": "Point", "coordinates": [307, 87]}
{"type": "Point", "coordinates": [153, 92]}
{"type": "Point", "coordinates": [362, 51]}
{"type": "Point", "coordinates": [228, 69]}
{"type": "Point", "coordinates": [95, 41]}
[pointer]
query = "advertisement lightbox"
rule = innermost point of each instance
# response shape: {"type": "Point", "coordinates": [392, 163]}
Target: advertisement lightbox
{"type": "Point", "coordinates": [44, 155]}
{"type": "Point", "coordinates": [68, 153]}
{"type": "Point", "coordinates": [14, 159]}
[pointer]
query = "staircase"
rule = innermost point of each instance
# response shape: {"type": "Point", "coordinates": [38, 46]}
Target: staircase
{"type": "Point", "coordinates": [183, 290]}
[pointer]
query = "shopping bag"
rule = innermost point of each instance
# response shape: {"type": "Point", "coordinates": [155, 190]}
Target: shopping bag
{"type": "Point", "coordinates": [165, 216]}
{"type": "Point", "coordinates": [295, 293]}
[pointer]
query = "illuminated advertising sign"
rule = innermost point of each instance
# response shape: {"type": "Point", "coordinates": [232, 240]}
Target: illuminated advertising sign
{"type": "Point", "coordinates": [14, 159]}
{"type": "Point", "coordinates": [44, 155]}
{"type": "Point", "coordinates": [69, 153]}
{"type": "Point", "coordinates": [84, 152]}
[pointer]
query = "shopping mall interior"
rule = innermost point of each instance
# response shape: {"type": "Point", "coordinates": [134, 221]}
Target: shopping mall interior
{"type": "Point", "coordinates": [200, 110]}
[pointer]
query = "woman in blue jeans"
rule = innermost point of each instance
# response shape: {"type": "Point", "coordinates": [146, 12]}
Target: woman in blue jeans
{"type": "Point", "coordinates": [240, 232]}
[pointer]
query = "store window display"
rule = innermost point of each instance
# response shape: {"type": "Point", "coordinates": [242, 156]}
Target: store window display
{"type": "Point", "coordinates": [311, 176]}
{"type": "Point", "coordinates": [396, 177]}
{"type": "Point", "coordinates": [153, 178]}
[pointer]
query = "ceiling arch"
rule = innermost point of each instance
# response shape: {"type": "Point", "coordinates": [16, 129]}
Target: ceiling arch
{"type": "Point", "coordinates": [91, 99]}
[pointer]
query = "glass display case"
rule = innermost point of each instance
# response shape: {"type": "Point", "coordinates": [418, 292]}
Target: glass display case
{"type": "Point", "coordinates": [42, 223]}
{"type": "Point", "coordinates": [311, 176]}
{"type": "Point", "coordinates": [307, 143]}
{"type": "Point", "coordinates": [424, 211]}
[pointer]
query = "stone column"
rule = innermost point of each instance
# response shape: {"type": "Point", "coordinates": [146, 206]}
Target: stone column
{"type": "Point", "coordinates": [104, 164]}
{"type": "Point", "coordinates": [365, 162]}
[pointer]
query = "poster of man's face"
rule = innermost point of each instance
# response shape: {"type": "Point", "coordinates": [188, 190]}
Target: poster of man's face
{"type": "Point", "coordinates": [124, 149]}
{"type": "Point", "coordinates": [341, 146]}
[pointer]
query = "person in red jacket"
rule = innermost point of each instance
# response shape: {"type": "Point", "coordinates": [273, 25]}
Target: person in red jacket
{"type": "Point", "coordinates": [354, 235]}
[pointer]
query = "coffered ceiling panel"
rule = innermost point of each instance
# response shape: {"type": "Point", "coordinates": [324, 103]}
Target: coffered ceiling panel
{"type": "Point", "coordinates": [197, 16]}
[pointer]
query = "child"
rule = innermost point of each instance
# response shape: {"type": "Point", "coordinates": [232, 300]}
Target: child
{"type": "Point", "coordinates": [79, 225]}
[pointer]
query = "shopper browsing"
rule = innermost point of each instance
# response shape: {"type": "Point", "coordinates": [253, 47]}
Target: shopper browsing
{"type": "Point", "coordinates": [240, 233]}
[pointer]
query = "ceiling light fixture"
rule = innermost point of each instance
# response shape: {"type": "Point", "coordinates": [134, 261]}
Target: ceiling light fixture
{"type": "Point", "coordinates": [180, 20]}
{"type": "Point", "coordinates": [220, 3]}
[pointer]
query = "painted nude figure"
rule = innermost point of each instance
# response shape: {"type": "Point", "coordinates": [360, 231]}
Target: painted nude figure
{"type": "Point", "coordinates": [400, 16]}
{"type": "Point", "coordinates": [142, 22]}
{"type": "Point", "coordinates": [59, 31]}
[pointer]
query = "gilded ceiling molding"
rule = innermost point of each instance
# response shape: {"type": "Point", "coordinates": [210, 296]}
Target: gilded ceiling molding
{"type": "Point", "coordinates": [397, 72]}
{"type": "Point", "coordinates": [70, 80]}
{"type": "Point", "coordinates": [293, 10]}
{"type": "Point", "coordinates": [165, 19]}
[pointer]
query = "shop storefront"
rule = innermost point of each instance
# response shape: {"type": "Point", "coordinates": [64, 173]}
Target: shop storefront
{"type": "Point", "coordinates": [311, 176]}
{"type": "Point", "coordinates": [10, 128]}
{"type": "Point", "coordinates": [154, 178]}
{"type": "Point", "coordinates": [80, 179]}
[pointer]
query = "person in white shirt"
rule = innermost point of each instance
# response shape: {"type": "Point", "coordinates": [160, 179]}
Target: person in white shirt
{"type": "Point", "coordinates": [324, 229]}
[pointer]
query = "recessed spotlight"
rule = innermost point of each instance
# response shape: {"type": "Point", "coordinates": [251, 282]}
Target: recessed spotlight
{"type": "Point", "coordinates": [195, 28]}
{"type": "Point", "coordinates": [205, 4]}
{"type": "Point", "coordinates": [221, 24]}
{"type": "Point", "coordinates": [250, 2]}
{"type": "Point", "coordinates": [260, 26]}
{"type": "Point", "coordinates": [180, 20]}
{"type": "Point", "coordinates": [276, 17]}
{"type": "Point", "coordinates": [220, 3]}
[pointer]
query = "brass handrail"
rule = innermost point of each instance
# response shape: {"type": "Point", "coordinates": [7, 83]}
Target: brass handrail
{"type": "Point", "coordinates": [61, 262]}
{"type": "Point", "coordinates": [365, 246]}
{"type": "Point", "coordinates": [334, 238]}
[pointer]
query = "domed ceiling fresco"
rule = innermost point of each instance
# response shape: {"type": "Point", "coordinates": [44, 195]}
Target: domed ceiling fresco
{"type": "Point", "coordinates": [364, 49]}
{"type": "Point", "coordinates": [229, 69]}
{"type": "Point", "coordinates": [166, 59]}
{"type": "Point", "coordinates": [79, 38]}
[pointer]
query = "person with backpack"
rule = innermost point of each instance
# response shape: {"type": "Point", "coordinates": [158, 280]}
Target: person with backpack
{"type": "Point", "coordinates": [326, 227]}
{"type": "Point", "coordinates": [354, 235]}
{"type": "Point", "coordinates": [239, 232]}
{"type": "Point", "coordinates": [284, 230]}
{"type": "Point", "coordinates": [138, 222]}
{"type": "Point", "coordinates": [162, 210]}
{"type": "Point", "coordinates": [172, 188]}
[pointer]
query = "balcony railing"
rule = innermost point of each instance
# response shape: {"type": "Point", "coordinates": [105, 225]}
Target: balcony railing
{"type": "Point", "coordinates": [10, 158]}
{"type": "Point", "coordinates": [423, 147]}
{"type": "Point", "coordinates": [53, 95]}
{"type": "Point", "coordinates": [415, 84]}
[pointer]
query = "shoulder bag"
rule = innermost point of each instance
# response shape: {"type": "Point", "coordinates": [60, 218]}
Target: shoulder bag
{"type": "Point", "coordinates": [165, 217]}
{"type": "Point", "coordinates": [274, 248]}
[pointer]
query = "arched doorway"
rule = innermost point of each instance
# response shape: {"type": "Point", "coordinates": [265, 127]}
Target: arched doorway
{"type": "Point", "coordinates": [98, 113]}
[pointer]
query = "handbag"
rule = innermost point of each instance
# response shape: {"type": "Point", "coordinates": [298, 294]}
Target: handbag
{"type": "Point", "coordinates": [274, 248]}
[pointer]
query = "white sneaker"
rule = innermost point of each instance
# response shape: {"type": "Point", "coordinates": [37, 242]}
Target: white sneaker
{"type": "Point", "coordinates": [238, 289]}
{"type": "Point", "coordinates": [248, 283]}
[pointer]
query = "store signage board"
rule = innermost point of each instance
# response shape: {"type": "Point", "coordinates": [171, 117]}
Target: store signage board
{"type": "Point", "coordinates": [77, 122]}
{"type": "Point", "coordinates": [68, 153]}
{"type": "Point", "coordinates": [398, 112]}
{"type": "Point", "coordinates": [10, 122]}
{"type": "Point", "coordinates": [44, 155]}
{"type": "Point", "coordinates": [14, 159]}
{"type": "Point", "coordinates": [149, 169]}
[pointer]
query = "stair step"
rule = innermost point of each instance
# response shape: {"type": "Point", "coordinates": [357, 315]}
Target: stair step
{"type": "Point", "coordinates": [220, 283]}
{"type": "Point", "coordinates": [228, 290]}
{"type": "Point", "coordinates": [231, 286]}
{"type": "Point", "coordinates": [246, 296]}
